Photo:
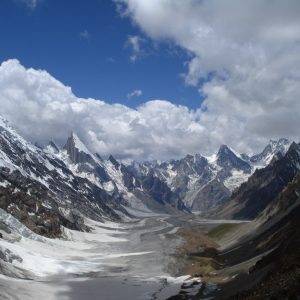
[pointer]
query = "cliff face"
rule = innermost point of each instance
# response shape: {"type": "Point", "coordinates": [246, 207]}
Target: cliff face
{"type": "Point", "coordinates": [77, 151]}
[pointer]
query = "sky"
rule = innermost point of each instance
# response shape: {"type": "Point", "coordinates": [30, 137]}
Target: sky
{"type": "Point", "coordinates": [152, 79]}
{"type": "Point", "coordinates": [87, 45]}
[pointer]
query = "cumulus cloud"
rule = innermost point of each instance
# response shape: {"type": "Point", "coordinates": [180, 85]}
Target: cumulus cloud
{"type": "Point", "coordinates": [247, 54]}
{"type": "Point", "coordinates": [135, 93]}
{"type": "Point", "coordinates": [42, 108]}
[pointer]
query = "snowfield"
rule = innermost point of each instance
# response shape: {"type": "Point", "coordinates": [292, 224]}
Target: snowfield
{"type": "Point", "coordinates": [112, 254]}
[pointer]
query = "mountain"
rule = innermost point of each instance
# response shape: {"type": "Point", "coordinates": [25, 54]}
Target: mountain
{"type": "Point", "coordinates": [227, 159]}
{"type": "Point", "coordinates": [281, 237]}
{"type": "Point", "coordinates": [261, 188]}
{"type": "Point", "coordinates": [46, 185]}
{"type": "Point", "coordinates": [274, 148]}
{"type": "Point", "coordinates": [70, 184]}
{"type": "Point", "coordinates": [266, 249]}
{"type": "Point", "coordinates": [195, 182]}
{"type": "Point", "coordinates": [201, 182]}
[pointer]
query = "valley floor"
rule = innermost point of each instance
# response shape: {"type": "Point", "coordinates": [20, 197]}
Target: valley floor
{"type": "Point", "coordinates": [150, 258]}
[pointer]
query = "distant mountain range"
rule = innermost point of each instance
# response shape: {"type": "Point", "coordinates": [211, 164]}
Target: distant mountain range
{"type": "Point", "coordinates": [60, 185]}
{"type": "Point", "coordinates": [203, 182]}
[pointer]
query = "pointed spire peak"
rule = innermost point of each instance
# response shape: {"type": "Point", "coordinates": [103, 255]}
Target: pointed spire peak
{"type": "Point", "coordinates": [78, 144]}
{"type": "Point", "coordinates": [293, 147]}
{"type": "Point", "coordinates": [77, 150]}
{"type": "Point", "coordinates": [53, 146]}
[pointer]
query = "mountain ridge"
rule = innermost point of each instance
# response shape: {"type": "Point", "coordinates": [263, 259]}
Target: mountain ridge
{"type": "Point", "coordinates": [195, 182]}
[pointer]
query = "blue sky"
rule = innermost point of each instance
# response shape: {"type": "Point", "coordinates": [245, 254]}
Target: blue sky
{"type": "Point", "coordinates": [52, 37]}
{"type": "Point", "coordinates": [242, 55]}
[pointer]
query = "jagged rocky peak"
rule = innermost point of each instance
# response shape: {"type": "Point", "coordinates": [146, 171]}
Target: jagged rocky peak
{"type": "Point", "coordinates": [227, 158]}
{"type": "Point", "coordinates": [191, 164]}
{"type": "Point", "coordinates": [114, 161]}
{"type": "Point", "coordinates": [265, 183]}
{"type": "Point", "coordinates": [293, 152]}
{"type": "Point", "coordinates": [52, 147]}
{"type": "Point", "coordinates": [224, 154]}
{"type": "Point", "coordinates": [77, 150]}
{"type": "Point", "coordinates": [273, 148]}
{"type": "Point", "coordinates": [99, 156]}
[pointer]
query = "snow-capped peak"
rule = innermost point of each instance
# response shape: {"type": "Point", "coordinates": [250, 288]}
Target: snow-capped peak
{"type": "Point", "coordinates": [79, 144]}
{"type": "Point", "coordinates": [77, 150]}
{"type": "Point", "coordinates": [14, 136]}
{"type": "Point", "coordinates": [273, 148]}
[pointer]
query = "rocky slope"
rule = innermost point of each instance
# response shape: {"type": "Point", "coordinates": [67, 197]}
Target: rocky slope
{"type": "Point", "coordinates": [41, 179]}
{"type": "Point", "coordinates": [274, 238]}
{"type": "Point", "coordinates": [71, 183]}
{"type": "Point", "coordinates": [263, 186]}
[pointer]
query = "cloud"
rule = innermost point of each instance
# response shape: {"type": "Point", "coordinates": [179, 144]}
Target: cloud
{"type": "Point", "coordinates": [134, 42]}
{"type": "Point", "coordinates": [245, 52]}
{"type": "Point", "coordinates": [110, 59]}
{"type": "Point", "coordinates": [42, 108]}
{"type": "Point", "coordinates": [31, 4]}
{"type": "Point", "coordinates": [135, 93]}
{"type": "Point", "coordinates": [84, 35]}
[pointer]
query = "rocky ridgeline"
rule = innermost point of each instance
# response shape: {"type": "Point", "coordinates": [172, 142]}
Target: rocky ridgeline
{"type": "Point", "coordinates": [71, 183]}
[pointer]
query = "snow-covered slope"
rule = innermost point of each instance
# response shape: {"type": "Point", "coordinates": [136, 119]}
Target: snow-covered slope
{"type": "Point", "coordinates": [73, 178]}
{"type": "Point", "coordinates": [44, 176]}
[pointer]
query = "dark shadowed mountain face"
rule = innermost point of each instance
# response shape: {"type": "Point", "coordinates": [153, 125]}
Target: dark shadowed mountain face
{"type": "Point", "coordinates": [263, 186]}
{"type": "Point", "coordinates": [228, 160]}
{"type": "Point", "coordinates": [271, 242]}
{"type": "Point", "coordinates": [277, 274]}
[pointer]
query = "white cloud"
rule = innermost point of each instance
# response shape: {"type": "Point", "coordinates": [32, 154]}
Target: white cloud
{"type": "Point", "coordinates": [248, 49]}
{"type": "Point", "coordinates": [42, 108]}
{"type": "Point", "coordinates": [111, 59]}
{"type": "Point", "coordinates": [85, 35]}
{"type": "Point", "coordinates": [134, 42]}
{"type": "Point", "coordinates": [31, 4]}
{"type": "Point", "coordinates": [135, 93]}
